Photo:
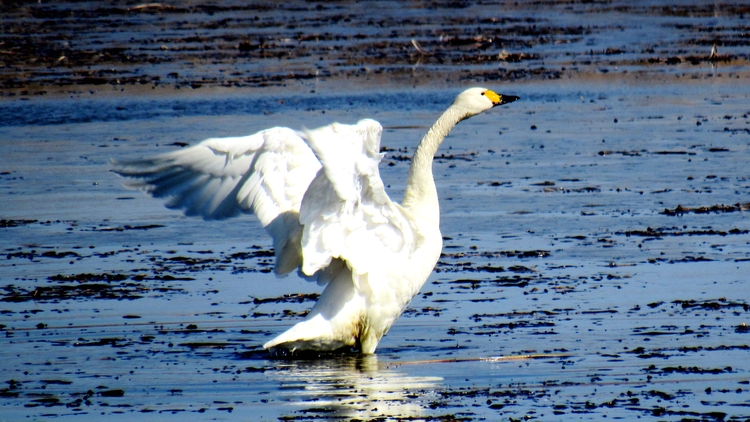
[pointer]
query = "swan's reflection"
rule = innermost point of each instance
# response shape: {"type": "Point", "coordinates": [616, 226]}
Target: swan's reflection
{"type": "Point", "coordinates": [353, 386]}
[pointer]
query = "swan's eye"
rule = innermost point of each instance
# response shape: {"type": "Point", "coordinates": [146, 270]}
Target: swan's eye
{"type": "Point", "coordinates": [483, 92]}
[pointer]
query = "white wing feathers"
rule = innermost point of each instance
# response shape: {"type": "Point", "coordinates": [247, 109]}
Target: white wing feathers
{"type": "Point", "coordinates": [346, 213]}
{"type": "Point", "coordinates": [315, 217]}
{"type": "Point", "coordinates": [266, 174]}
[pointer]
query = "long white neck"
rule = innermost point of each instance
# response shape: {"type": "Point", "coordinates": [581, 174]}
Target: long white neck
{"type": "Point", "coordinates": [421, 195]}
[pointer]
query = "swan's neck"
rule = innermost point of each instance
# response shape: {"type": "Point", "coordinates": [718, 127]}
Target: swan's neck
{"type": "Point", "coordinates": [421, 195]}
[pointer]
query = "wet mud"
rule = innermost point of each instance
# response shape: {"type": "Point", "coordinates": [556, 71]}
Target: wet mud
{"type": "Point", "coordinates": [596, 237]}
{"type": "Point", "coordinates": [51, 48]}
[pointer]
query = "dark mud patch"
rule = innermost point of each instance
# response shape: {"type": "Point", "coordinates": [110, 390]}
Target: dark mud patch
{"type": "Point", "coordinates": [487, 254]}
{"type": "Point", "coordinates": [56, 293]}
{"type": "Point", "coordinates": [713, 209]}
{"type": "Point", "coordinates": [84, 287]}
{"type": "Point", "coordinates": [15, 223]}
{"type": "Point", "coordinates": [713, 305]}
{"type": "Point", "coordinates": [687, 370]}
{"type": "Point", "coordinates": [513, 281]}
{"type": "Point", "coordinates": [126, 227]}
{"type": "Point", "coordinates": [485, 262]}
{"type": "Point", "coordinates": [88, 277]}
{"type": "Point", "coordinates": [287, 298]}
{"type": "Point", "coordinates": [33, 254]}
{"type": "Point", "coordinates": [679, 231]}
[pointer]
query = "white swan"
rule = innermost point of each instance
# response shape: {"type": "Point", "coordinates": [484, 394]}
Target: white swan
{"type": "Point", "coordinates": [320, 196]}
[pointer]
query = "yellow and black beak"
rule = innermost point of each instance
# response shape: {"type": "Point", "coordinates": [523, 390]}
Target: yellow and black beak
{"type": "Point", "coordinates": [499, 99]}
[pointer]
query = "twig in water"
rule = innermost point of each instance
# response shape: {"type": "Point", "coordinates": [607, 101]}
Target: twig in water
{"type": "Point", "coordinates": [419, 48]}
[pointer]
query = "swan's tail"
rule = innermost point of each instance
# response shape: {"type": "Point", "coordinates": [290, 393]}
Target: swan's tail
{"type": "Point", "coordinates": [314, 334]}
{"type": "Point", "coordinates": [338, 320]}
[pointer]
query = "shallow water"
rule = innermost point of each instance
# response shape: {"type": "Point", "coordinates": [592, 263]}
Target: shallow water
{"type": "Point", "coordinates": [563, 236]}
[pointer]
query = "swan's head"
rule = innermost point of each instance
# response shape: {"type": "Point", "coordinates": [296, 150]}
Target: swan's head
{"type": "Point", "coordinates": [478, 100]}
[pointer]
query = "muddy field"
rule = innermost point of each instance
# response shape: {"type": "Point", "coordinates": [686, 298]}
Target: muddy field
{"type": "Point", "coordinates": [597, 243]}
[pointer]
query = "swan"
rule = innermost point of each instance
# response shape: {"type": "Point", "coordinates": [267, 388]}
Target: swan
{"type": "Point", "coordinates": [319, 195]}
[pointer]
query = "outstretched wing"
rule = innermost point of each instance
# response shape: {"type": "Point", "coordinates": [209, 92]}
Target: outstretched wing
{"type": "Point", "coordinates": [266, 174]}
{"type": "Point", "coordinates": [346, 213]}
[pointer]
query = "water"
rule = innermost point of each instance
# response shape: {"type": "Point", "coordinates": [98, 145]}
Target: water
{"type": "Point", "coordinates": [564, 291]}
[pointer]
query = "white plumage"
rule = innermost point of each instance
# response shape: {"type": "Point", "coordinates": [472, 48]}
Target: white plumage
{"type": "Point", "coordinates": [319, 195]}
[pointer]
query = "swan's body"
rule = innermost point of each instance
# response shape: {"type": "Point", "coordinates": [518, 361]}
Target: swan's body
{"type": "Point", "coordinates": [329, 216]}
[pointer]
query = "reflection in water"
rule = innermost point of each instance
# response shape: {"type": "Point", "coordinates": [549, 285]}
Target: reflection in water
{"type": "Point", "coordinates": [353, 386]}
